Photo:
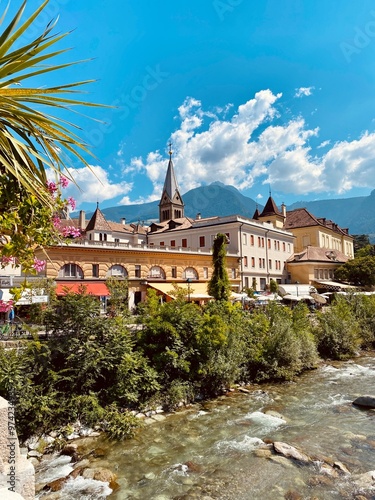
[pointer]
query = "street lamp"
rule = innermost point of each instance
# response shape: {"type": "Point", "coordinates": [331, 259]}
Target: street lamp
{"type": "Point", "coordinates": [188, 281]}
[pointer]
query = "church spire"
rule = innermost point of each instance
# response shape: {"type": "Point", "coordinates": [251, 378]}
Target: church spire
{"type": "Point", "coordinates": [171, 205]}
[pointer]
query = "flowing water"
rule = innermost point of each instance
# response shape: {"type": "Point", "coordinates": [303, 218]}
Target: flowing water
{"type": "Point", "coordinates": [213, 449]}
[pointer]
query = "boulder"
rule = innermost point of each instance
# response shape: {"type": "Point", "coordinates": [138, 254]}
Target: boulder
{"type": "Point", "coordinates": [55, 485]}
{"type": "Point", "coordinates": [366, 481]}
{"type": "Point", "coordinates": [365, 401]}
{"type": "Point", "coordinates": [289, 451]}
{"type": "Point", "coordinates": [101, 474]}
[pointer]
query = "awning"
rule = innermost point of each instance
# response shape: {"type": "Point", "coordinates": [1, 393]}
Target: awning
{"type": "Point", "coordinates": [298, 298]}
{"type": "Point", "coordinates": [333, 285]}
{"type": "Point", "coordinates": [98, 289]}
{"type": "Point", "coordinates": [5, 295]}
{"type": "Point", "coordinates": [197, 290]}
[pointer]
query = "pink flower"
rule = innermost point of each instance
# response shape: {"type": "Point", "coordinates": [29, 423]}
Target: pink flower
{"type": "Point", "coordinates": [6, 306]}
{"type": "Point", "coordinates": [39, 265]}
{"type": "Point", "coordinates": [51, 186]}
{"type": "Point", "coordinates": [56, 221]}
{"type": "Point", "coordinates": [72, 202]}
{"type": "Point", "coordinates": [71, 232]}
{"type": "Point", "coordinates": [6, 260]}
{"type": "Point", "coordinates": [64, 182]}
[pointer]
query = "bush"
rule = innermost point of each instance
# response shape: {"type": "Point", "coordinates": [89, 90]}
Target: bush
{"type": "Point", "coordinates": [178, 392]}
{"type": "Point", "coordinates": [120, 425]}
{"type": "Point", "coordinates": [278, 347]}
{"type": "Point", "coordinates": [338, 331]}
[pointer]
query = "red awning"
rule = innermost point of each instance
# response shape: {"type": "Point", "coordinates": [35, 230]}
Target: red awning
{"type": "Point", "coordinates": [99, 289]}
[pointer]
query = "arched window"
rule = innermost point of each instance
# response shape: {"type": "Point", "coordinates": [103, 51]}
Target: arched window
{"type": "Point", "coordinates": [190, 273]}
{"type": "Point", "coordinates": [117, 271]}
{"type": "Point", "coordinates": [71, 271]}
{"type": "Point", "coordinates": [156, 272]}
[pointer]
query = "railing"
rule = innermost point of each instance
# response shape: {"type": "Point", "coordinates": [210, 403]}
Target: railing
{"type": "Point", "coordinates": [149, 248]}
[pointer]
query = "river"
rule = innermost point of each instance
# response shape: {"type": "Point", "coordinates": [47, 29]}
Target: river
{"type": "Point", "coordinates": [213, 450]}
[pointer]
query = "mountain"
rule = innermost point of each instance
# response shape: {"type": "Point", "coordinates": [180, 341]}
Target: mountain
{"type": "Point", "coordinates": [215, 199]}
{"type": "Point", "coordinates": [357, 214]}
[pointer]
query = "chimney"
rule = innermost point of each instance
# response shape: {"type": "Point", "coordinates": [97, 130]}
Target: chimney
{"type": "Point", "coordinates": [123, 221]}
{"type": "Point", "coordinates": [198, 217]}
{"type": "Point", "coordinates": [82, 220]}
{"type": "Point", "coordinates": [283, 209]}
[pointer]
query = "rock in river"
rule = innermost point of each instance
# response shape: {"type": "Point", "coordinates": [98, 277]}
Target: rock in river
{"type": "Point", "coordinates": [289, 451]}
{"type": "Point", "coordinates": [365, 401]}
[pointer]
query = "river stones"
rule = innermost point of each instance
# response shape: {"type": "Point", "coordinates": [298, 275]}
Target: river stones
{"type": "Point", "coordinates": [55, 485]}
{"type": "Point", "coordinates": [193, 467]}
{"type": "Point", "coordinates": [293, 495]}
{"type": "Point", "coordinates": [365, 401]}
{"type": "Point", "coordinates": [262, 453]}
{"type": "Point", "coordinates": [289, 451]}
{"type": "Point", "coordinates": [341, 467]}
{"type": "Point", "coordinates": [364, 481]}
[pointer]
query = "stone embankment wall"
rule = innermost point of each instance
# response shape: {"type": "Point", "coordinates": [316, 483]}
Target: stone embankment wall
{"type": "Point", "coordinates": [17, 476]}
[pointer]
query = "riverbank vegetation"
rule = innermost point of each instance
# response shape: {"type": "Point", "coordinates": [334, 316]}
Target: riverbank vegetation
{"type": "Point", "coordinates": [101, 370]}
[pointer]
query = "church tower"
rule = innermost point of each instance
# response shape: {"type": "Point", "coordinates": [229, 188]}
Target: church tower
{"type": "Point", "coordinates": [171, 205]}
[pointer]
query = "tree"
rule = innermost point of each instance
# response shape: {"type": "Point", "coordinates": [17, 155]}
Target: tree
{"type": "Point", "coordinates": [360, 241]}
{"type": "Point", "coordinates": [274, 287]}
{"type": "Point", "coordinates": [33, 140]}
{"type": "Point", "coordinates": [359, 271]}
{"type": "Point", "coordinates": [219, 285]}
{"type": "Point", "coordinates": [119, 290]}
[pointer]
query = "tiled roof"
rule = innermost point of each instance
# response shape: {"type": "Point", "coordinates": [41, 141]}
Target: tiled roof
{"type": "Point", "coordinates": [181, 223]}
{"type": "Point", "coordinates": [300, 217]}
{"type": "Point", "coordinates": [118, 227]}
{"type": "Point", "coordinates": [98, 222]}
{"type": "Point", "coordinates": [315, 254]}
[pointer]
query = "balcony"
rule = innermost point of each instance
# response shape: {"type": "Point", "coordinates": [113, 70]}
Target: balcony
{"type": "Point", "coordinates": [128, 246]}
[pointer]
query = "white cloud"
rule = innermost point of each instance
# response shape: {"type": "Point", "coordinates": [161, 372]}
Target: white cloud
{"type": "Point", "coordinates": [324, 144]}
{"type": "Point", "coordinates": [94, 185]}
{"type": "Point", "coordinates": [303, 91]}
{"type": "Point", "coordinates": [252, 144]}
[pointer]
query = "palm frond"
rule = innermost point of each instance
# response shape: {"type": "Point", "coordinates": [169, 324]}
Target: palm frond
{"type": "Point", "coordinates": [31, 138]}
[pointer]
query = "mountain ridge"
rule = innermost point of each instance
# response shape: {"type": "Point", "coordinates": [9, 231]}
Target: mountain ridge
{"type": "Point", "coordinates": [355, 213]}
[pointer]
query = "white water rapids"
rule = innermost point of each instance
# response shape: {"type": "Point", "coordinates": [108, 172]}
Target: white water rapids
{"type": "Point", "coordinates": [212, 450]}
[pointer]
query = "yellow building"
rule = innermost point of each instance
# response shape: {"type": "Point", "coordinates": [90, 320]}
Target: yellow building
{"type": "Point", "coordinates": [320, 245]}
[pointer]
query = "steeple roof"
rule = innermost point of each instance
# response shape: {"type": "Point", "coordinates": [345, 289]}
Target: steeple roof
{"type": "Point", "coordinates": [256, 214]}
{"type": "Point", "coordinates": [98, 222]}
{"type": "Point", "coordinates": [170, 183]}
{"type": "Point", "coordinates": [270, 208]}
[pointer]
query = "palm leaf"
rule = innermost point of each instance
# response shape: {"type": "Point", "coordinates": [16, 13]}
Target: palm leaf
{"type": "Point", "coordinates": [30, 137]}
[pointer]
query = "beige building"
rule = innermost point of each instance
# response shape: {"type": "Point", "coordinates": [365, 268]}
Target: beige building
{"type": "Point", "coordinates": [320, 245]}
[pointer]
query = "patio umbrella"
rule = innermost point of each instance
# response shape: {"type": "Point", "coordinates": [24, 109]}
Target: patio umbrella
{"type": "Point", "coordinates": [319, 298]}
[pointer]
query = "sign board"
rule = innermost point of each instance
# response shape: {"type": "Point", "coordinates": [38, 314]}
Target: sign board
{"type": "Point", "coordinates": [35, 299]}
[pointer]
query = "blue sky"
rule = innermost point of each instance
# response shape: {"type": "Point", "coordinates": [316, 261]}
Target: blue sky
{"type": "Point", "coordinates": [258, 95]}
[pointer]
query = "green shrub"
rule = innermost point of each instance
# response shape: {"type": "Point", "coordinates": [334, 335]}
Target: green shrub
{"type": "Point", "coordinates": [178, 392]}
{"type": "Point", "coordinates": [120, 425]}
{"type": "Point", "coordinates": [338, 331]}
